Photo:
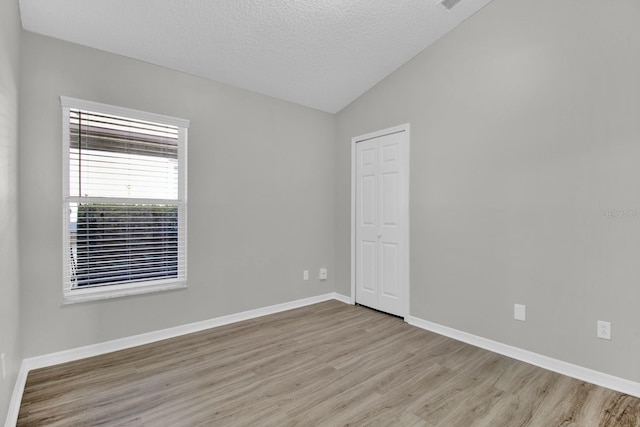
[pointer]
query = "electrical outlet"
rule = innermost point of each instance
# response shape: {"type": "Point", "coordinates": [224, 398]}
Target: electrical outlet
{"type": "Point", "coordinates": [4, 367]}
{"type": "Point", "coordinates": [305, 275]}
{"type": "Point", "coordinates": [519, 312]}
{"type": "Point", "coordinates": [604, 330]}
{"type": "Point", "coordinates": [323, 274]}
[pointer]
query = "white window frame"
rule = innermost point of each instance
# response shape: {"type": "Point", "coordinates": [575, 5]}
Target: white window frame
{"type": "Point", "coordinates": [74, 295]}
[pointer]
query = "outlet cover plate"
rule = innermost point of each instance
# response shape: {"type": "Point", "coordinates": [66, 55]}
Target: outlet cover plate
{"type": "Point", "coordinates": [604, 330]}
{"type": "Point", "coordinates": [519, 312]}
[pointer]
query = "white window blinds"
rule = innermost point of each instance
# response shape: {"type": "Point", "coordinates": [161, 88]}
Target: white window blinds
{"type": "Point", "coordinates": [125, 198]}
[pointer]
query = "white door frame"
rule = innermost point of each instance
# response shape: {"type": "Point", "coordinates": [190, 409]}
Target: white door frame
{"type": "Point", "coordinates": [404, 209]}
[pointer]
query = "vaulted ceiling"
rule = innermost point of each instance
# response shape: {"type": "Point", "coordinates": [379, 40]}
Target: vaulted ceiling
{"type": "Point", "coordinates": [318, 53]}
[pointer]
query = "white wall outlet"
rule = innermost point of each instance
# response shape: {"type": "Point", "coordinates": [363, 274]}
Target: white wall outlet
{"type": "Point", "coordinates": [4, 367]}
{"type": "Point", "coordinates": [305, 275]}
{"type": "Point", "coordinates": [520, 312]}
{"type": "Point", "coordinates": [323, 274]}
{"type": "Point", "coordinates": [604, 330]}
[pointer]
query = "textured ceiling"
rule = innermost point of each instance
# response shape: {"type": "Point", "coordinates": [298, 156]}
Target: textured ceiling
{"type": "Point", "coordinates": [318, 53]}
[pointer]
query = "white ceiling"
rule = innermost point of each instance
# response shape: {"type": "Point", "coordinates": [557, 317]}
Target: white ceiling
{"type": "Point", "coordinates": [318, 53]}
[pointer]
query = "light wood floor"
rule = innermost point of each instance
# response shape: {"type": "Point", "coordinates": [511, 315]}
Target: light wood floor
{"type": "Point", "coordinates": [329, 364]}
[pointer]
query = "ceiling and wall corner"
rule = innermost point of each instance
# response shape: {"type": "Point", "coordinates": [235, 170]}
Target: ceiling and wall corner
{"type": "Point", "coordinates": [320, 54]}
{"type": "Point", "coordinates": [254, 198]}
{"type": "Point", "coordinates": [525, 142]}
{"type": "Point", "coordinates": [522, 125]}
{"type": "Point", "coordinates": [260, 195]}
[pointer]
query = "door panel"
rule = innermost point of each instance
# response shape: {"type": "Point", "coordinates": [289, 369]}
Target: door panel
{"type": "Point", "coordinates": [367, 224]}
{"type": "Point", "coordinates": [390, 271]}
{"type": "Point", "coordinates": [368, 200]}
{"type": "Point", "coordinates": [368, 157]}
{"type": "Point", "coordinates": [389, 152]}
{"type": "Point", "coordinates": [390, 197]}
{"type": "Point", "coordinates": [368, 254]}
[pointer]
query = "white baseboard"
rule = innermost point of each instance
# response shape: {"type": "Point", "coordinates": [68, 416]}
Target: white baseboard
{"type": "Point", "coordinates": [57, 358]}
{"type": "Point", "coordinates": [342, 298]}
{"type": "Point", "coordinates": [16, 397]}
{"type": "Point", "coordinates": [584, 374]}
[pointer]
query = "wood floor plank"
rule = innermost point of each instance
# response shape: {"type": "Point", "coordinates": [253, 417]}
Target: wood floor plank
{"type": "Point", "coordinates": [328, 364]}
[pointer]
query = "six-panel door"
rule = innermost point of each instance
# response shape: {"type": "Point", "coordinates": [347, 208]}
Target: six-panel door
{"type": "Point", "coordinates": [379, 228]}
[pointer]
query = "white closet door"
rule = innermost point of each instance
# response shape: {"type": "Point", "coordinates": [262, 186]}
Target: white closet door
{"type": "Point", "coordinates": [380, 194]}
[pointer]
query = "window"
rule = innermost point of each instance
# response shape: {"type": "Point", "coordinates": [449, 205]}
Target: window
{"type": "Point", "coordinates": [125, 201]}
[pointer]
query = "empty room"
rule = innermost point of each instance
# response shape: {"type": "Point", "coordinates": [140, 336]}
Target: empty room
{"type": "Point", "coordinates": [246, 213]}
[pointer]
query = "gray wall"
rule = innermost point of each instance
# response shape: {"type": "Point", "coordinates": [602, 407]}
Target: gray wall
{"type": "Point", "coordinates": [525, 126]}
{"type": "Point", "coordinates": [525, 130]}
{"type": "Point", "coordinates": [10, 339]}
{"type": "Point", "coordinates": [261, 195]}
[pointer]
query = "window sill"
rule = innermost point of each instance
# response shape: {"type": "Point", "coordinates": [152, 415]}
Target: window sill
{"type": "Point", "coordinates": [75, 296]}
